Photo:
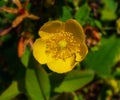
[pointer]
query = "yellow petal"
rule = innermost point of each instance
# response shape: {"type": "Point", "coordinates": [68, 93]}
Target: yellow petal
{"type": "Point", "coordinates": [52, 27]}
{"type": "Point", "coordinates": [74, 27]}
{"type": "Point", "coordinates": [62, 66]}
{"type": "Point", "coordinates": [39, 48]}
{"type": "Point", "coordinates": [78, 57]}
{"type": "Point", "coordinates": [44, 35]}
{"type": "Point", "coordinates": [83, 52]}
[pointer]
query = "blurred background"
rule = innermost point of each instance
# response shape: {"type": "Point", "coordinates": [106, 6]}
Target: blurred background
{"type": "Point", "coordinates": [97, 77]}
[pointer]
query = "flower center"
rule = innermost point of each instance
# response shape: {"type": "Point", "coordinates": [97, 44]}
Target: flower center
{"type": "Point", "coordinates": [62, 45]}
{"type": "Point", "coordinates": [22, 11]}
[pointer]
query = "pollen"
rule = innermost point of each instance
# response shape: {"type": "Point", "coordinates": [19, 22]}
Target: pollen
{"type": "Point", "coordinates": [62, 45]}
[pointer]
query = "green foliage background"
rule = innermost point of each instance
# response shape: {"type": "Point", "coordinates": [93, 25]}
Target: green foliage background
{"type": "Point", "coordinates": [95, 78]}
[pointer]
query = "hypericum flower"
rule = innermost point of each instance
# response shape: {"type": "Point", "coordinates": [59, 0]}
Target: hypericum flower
{"type": "Point", "coordinates": [61, 46]}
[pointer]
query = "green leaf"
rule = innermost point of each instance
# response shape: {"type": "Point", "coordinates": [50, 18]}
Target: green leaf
{"type": "Point", "coordinates": [109, 10]}
{"type": "Point", "coordinates": [98, 24]}
{"type": "Point", "coordinates": [70, 1]}
{"type": "Point", "coordinates": [80, 97]}
{"type": "Point", "coordinates": [116, 73]}
{"type": "Point", "coordinates": [26, 57]}
{"type": "Point", "coordinates": [82, 14]}
{"type": "Point", "coordinates": [65, 96]}
{"type": "Point", "coordinates": [5, 38]}
{"type": "Point", "coordinates": [66, 14]}
{"type": "Point", "coordinates": [2, 3]}
{"type": "Point", "coordinates": [8, 15]}
{"type": "Point", "coordinates": [108, 15]}
{"type": "Point", "coordinates": [119, 84]}
{"type": "Point", "coordinates": [11, 92]}
{"type": "Point", "coordinates": [104, 59]}
{"type": "Point", "coordinates": [75, 80]}
{"type": "Point", "coordinates": [37, 84]}
{"type": "Point", "coordinates": [111, 5]}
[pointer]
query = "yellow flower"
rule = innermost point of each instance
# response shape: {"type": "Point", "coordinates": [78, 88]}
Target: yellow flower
{"type": "Point", "coordinates": [61, 45]}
